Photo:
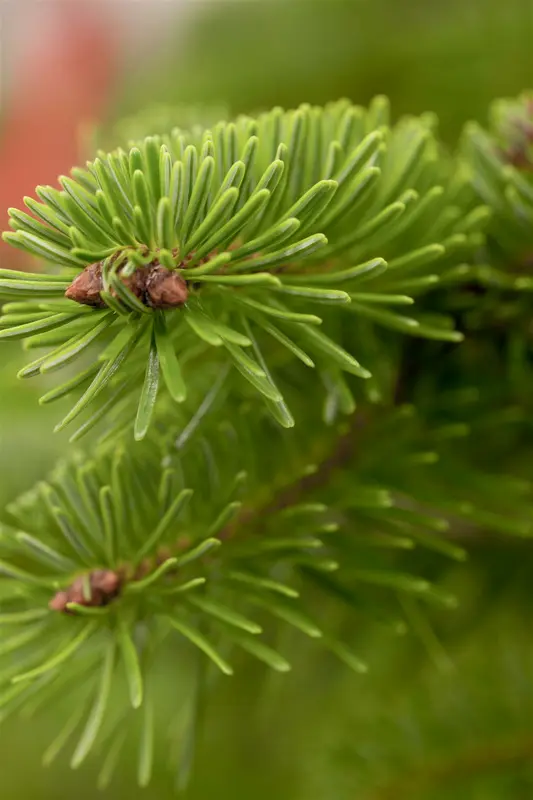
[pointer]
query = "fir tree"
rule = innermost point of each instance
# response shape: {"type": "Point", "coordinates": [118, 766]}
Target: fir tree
{"type": "Point", "coordinates": [260, 327]}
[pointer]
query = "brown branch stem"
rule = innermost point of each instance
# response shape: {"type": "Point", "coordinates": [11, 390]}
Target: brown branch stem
{"type": "Point", "coordinates": [106, 585]}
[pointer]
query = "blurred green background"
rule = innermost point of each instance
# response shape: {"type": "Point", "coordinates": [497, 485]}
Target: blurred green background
{"type": "Point", "coordinates": [425, 724]}
{"type": "Point", "coordinates": [452, 57]}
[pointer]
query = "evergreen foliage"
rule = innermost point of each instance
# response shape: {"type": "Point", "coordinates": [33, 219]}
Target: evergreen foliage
{"type": "Point", "coordinates": [258, 227]}
{"type": "Point", "coordinates": [199, 287]}
{"type": "Point", "coordinates": [502, 161]}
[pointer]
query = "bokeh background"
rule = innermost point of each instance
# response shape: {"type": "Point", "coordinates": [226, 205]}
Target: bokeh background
{"type": "Point", "coordinates": [428, 722]}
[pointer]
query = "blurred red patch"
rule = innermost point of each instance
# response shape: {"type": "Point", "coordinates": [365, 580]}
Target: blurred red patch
{"type": "Point", "coordinates": [62, 83]}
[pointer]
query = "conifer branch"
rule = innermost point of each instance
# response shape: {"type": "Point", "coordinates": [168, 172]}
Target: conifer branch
{"type": "Point", "coordinates": [263, 225]}
{"type": "Point", "coordinates": [190, 276]}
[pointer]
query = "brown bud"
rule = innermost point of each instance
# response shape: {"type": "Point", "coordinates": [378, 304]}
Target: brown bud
{"type": "Point", "coordinates": [154, 285]}
{"type": "Point", "coordinates": [165, 288]}
{"type": "Point", "coordinates": [136, 283]}
{"type": "Point", "coordinates": [105, 581]}
{"type": "Point", "coordinates": [59, 602]}
{"type": "Point", "coordinates": [86, 288]}
{"type": "Point", "coordinates": [76, 595]}
{"type": "Point", "coordinates": [104, 584]}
